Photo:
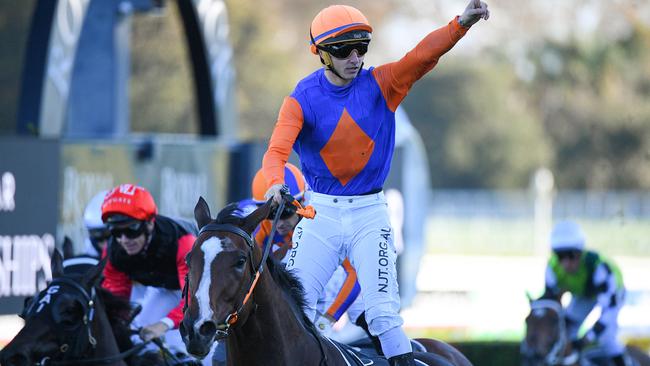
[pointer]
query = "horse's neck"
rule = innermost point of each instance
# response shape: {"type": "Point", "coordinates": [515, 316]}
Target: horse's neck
{"type": "Point", "coordinates": [103, 333]}
{"type": "Point", "coordinates": [272, 333]}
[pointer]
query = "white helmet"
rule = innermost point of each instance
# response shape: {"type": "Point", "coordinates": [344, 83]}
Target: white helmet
{"type": "Point", "coordinates": [93, 212]}
{"type": "Point", "coordinates": [567, 235]}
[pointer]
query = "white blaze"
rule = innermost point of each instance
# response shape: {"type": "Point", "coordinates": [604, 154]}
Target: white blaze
{"type": "Point", "coordinates": [210, 248]}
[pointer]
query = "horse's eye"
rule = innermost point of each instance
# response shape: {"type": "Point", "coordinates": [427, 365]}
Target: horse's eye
{"type": "Point", "coordinates": [240, 262]}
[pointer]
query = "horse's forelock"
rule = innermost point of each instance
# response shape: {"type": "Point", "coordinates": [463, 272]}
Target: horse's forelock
{"type": "Point", "coordinates": [231, 214]}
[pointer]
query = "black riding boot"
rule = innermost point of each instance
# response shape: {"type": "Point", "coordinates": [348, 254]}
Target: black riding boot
{"type": "Point", "coordinates": [405, 359]}
{"type": "Point", "coordinates": [361, 321]}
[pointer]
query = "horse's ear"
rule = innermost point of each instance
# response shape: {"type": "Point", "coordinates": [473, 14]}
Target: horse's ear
{"type": "Point", "coordinates": [257, 216]}
{"type": "Point", "coordinates": [93, 276]}
{"type": "Point", "coordinates": [68, 248]}
{"type": "Point", "coordinates": [56, 264]}
{"type": "Point", "coordinates": [202, 213]}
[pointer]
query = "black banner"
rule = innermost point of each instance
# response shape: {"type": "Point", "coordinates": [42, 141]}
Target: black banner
{"type": "Point", "coordinates": [29, 190]}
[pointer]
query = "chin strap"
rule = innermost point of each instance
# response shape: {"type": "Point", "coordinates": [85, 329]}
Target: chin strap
{"type": "Point", "coordinates": [326, 58]}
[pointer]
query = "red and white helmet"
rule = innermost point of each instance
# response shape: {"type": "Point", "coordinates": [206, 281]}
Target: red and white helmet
{"type": "Point", "coordinates": [128, 202]}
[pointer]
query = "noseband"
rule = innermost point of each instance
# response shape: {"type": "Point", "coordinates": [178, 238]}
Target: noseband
{"type": "Point", "coordinates": [224, 327]}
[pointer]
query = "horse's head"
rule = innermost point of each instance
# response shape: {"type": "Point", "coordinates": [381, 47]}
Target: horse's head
{"type": "Point", "coordinates": [545, 339]}
{"type": "Point", "coordinates": [222, 274]}
{"type": "Point", "coordinates": [57, 320]}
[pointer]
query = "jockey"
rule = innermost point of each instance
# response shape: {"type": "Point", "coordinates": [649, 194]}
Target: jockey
{"type": "Point", "coordinates": [98, 233]}
{"type": "Point", "coordinates": [340, 120]}
{"type": "Point", "coordinates": [592, 280]}
{"type": "Point", "coordinates": [146, 261]}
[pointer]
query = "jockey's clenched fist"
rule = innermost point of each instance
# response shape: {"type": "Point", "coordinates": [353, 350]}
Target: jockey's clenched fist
{"type": "Point", "coordinates": [475, 10]}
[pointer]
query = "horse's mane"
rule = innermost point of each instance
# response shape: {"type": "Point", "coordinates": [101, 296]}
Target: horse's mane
{"type": "Point", "coordinates": [283, 278]}
{"type": "Point", "coordinates": [290, 284]}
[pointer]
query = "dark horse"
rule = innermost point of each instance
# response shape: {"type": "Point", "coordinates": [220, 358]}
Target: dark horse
{"type": "Point", "coordinates": [256, 306]}
{"type": "Point", "coordinates": [74, 322]}
{"type": "Point", "coordinates": [546, 341]}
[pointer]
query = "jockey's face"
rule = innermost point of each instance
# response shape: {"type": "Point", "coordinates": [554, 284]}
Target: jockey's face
{"type": "Point", "coordinates": [286, 225]}
{"type": "Point", "coordinates": [131, 237]}
{"type": "Point", "coordinates": [99, 237]}
{"type": "Point", "coordinates": [569, 260]}
{"type": "Point", "coordinates": [347, 67]}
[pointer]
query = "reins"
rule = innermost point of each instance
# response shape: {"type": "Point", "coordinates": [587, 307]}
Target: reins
{"type": "Point", "coordinates": [99, 360]}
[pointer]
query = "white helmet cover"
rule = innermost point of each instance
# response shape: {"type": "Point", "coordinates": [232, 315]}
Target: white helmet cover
{"type": "Point", "coordinates": [93, 212]}
{"type": "Point", "coordinates": [567, 235]}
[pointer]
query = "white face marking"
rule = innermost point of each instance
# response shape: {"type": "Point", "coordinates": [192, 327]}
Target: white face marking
{"type": "Point", "coordinates": [210, 248]}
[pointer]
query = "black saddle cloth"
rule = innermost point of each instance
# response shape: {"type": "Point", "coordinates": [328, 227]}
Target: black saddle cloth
{"type": "Point", "coordinates": [363, 353]}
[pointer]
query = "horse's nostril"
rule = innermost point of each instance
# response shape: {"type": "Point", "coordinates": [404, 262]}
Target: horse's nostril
{"type": "Point", "coordinates": [208, 329]}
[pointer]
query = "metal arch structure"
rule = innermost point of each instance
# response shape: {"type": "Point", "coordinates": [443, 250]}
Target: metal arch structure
{"type": "Point", "coordinates": [75, 78]}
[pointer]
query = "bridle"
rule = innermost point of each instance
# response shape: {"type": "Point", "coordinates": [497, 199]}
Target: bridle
{"type": "Point", "coordinates": [82, 335]}
{"type": "Point", "coordinates": [554, 356]}
{"type": "Point", "coordinates": [223, 328]}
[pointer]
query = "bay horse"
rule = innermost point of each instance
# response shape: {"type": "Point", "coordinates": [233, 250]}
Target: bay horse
{"type": "Point", "coordinates": [235, 293]}
{"type": "Point", "coordinates": [546, 341]}
{"type": "Point", "coordinates": [75, 322]}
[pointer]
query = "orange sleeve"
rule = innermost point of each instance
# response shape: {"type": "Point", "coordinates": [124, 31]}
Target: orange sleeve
{"type": "Point", "coordinates": [284, 135]}
{"type": "Point", "coordinates": [395, 79]}
{"type": "Point", "coordinates": [263, 232]}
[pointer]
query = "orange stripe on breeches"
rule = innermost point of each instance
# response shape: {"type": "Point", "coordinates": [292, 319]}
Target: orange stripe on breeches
{"type": "Point", "coordinates": [348, 293]}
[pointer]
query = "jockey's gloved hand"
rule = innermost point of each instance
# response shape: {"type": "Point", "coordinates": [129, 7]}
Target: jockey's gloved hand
{"type": "Point", "coordinates": [154, 330]}
{"type": "Point", "coordinates": [289, 207]}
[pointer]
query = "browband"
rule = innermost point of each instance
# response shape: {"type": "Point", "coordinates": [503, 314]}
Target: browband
{"type": "Point", "coordinates": [228, 228]}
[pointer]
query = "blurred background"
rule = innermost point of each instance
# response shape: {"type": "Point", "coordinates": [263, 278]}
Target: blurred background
{"type": "Point", "coordinates": [539, 114]}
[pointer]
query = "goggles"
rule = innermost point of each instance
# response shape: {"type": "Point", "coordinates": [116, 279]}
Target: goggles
{"type": "Point", "coordinates": [131, 231]}
{"type": "Point", "coordinates": [99, 234]}
{"type": "Point", "coordinates": [570, 254]}
{"type": "Point", "coordinates": [343, 50]}
{"type": "Point", "coordinates": [289, 210]}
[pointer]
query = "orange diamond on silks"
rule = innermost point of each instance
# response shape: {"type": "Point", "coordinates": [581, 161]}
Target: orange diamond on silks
{"type": "Point", "coordinates": [348, 150]}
